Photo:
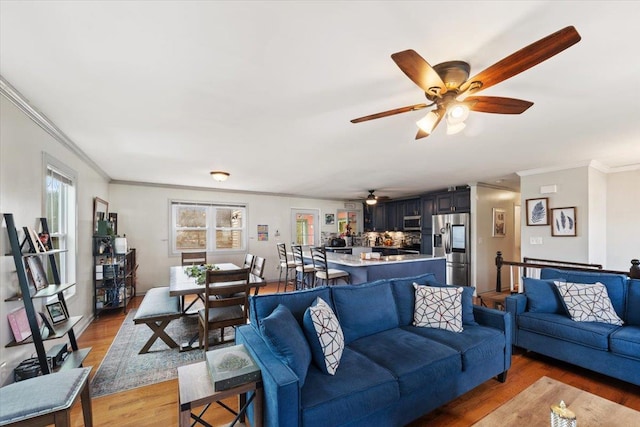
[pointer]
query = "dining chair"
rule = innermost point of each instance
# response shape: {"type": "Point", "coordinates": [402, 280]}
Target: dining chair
{"type": "Point", "coordinates": [257, 272]}
{"type": "Point", "coordinates": [226, 299]}
{"type": "Point", "coordinates": [303, 271]}
{"type": "Point", "coordinates": [248, 261]}
{"type": "Point", "coordinates": [194, 258]}
{"type": "Point", "coordinates": [324, 274]}
{"type": "Point", "coordinates": [286, 265]}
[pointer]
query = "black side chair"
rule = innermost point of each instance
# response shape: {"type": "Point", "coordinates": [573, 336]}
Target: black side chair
{"type": "Point", "coordinates": [324, 274]}
{"type": "Point", "coordinates": [286, 265]}
{"type": "Point", "coordinates": [303, 271]}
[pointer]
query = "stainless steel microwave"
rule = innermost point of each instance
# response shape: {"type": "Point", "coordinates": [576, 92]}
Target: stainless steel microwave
{"type": "Point", "coordinates": [411, 223]}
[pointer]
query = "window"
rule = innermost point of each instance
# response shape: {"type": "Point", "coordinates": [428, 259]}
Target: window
{"type": "Point", "coordinates": [305, 231]}
{"type": "Point", "coordinates": [208, 226]}
{"type": "Point", "coordinates": [60, 211]}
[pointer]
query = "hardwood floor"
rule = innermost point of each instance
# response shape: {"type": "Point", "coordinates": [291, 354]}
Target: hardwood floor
{"type": "Point", "coordinates": [157, 405]}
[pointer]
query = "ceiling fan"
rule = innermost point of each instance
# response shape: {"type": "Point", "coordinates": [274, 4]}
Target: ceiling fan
{"type": "Point", "coordinates": [448, 86]}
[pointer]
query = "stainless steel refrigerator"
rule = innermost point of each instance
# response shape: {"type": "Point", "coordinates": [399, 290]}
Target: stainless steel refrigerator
{"type": "Point", "coordinates": [451, 239]}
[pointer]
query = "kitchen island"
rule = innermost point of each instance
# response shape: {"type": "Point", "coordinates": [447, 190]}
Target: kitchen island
{"type": "Point", "coordinates": [387, 267]}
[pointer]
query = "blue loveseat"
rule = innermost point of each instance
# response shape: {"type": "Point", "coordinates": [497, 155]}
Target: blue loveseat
{"type": "Point", "coordinates": [390, 372]}
{"type": "Point", "coordinates": [542, 324]}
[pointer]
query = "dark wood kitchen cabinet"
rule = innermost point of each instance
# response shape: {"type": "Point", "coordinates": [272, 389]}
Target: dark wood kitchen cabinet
{"type": "Point", "coordinates": [393, 223]}
{"type": "Point", "coordinates": [375, 217]}
{"type": "Point", "coordinates": [457, 201]}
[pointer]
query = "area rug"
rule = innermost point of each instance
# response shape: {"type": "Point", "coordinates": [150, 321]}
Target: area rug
{"type": "Point", "coordinates": [124, 369]}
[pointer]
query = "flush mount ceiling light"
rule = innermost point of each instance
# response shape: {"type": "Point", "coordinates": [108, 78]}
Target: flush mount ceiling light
{"type": "Point", "coordinates": [371, 199]}
{"type": "Point", "coordinates": [219, 176]}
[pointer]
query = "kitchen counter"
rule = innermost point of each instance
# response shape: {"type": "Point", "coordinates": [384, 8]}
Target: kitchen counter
{"type": "Point", "coordinates": [386, 267]}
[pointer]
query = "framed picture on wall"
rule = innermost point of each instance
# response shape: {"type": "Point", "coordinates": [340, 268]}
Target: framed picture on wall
{"type": "Point", "coordinates": [538, 211]}
{"type": "Point", "coordinates": [329, 219]}
{"type": "Point", "coordinates": [499, 223]}
{"type": "Point", "coordinates": [563, 222]}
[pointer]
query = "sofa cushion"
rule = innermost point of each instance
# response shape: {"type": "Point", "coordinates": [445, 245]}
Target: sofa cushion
{"type": "Point", "coordinates": [404, 294]}
{"type": "Point", "coordinates": [325, 336]}
{"type": "Point", "coordinates": [438, 307]}
{"type": "Point", "coordinates": [626, 341]}
{"type": "Point", "coordinates": [560, 326]}
{"type": "Point", "coordinates": [365, 309]}
{"type": "Point", "coordinates": [588, 303]}
{"type": "Point", "coordinates": [476, 344]}
{"type": "Point", "coordinates": [405, 297]}
{"type": "Point", "coordinates": [297, 302]}
{"type": "Point", "coordinates": [358, 388]}
{"type": "Point", "coordinates": [467, 301]}
{"type": "Point", "coordinates": [287, 341]}
{"type": "Point", "coordinates": [414, 360]}
{"type": "Point", "coordinates": [616, 284]}
{"type": "Point", "coordinates": [542, 296]}
{"type": "Point", "coordinates": [633, 303]}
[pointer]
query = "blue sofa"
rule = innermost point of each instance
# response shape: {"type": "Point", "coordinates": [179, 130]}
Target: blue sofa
{"type": "Point", "coordinates": [542, 324]}
{"type": "Point", "coordinates": [390, 372]}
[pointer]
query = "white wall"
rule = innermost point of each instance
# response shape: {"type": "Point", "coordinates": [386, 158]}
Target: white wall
{"type": "Point", "coordinates": [597, 216]}
{"type": "Point", "coordinates": [608, 207]}
{"type": "Point", "coordinates": [22, 144]}
{"type": "Point", "coordinates": [623, 215]}
{"type": "Point", "coordinates": [572, 190]}
{"type": "Point", "coordinates": [484, 246]}
{"type": "Point", "coordinates": [143, 215]}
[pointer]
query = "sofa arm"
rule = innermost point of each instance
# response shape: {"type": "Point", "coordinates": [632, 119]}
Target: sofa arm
{"type": "Point", "coordinates": [281, 404]}
{"type": "Point", "coordinates": [499, 320]}
{"type": "Point", "coordinates": [514, 305]}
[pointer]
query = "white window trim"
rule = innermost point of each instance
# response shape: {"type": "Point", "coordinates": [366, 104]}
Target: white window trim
{"type": "Point", "coordinates": [48, 161]}
{"type": "Point", "coordinates": [210, 227]}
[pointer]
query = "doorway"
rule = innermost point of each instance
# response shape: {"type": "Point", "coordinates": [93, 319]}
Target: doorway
{"type": "Point", "coordinates": [305, 230]}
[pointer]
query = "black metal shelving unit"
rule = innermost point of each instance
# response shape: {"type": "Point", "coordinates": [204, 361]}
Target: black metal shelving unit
{"type": "Point", "coordinates": [114, 275]}
{"type": "Point", "coordinates": [56, 289]}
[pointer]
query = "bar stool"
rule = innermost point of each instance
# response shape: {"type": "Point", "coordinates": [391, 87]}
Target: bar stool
{"type": "Point", "coordinates": [303, 271]}
{"type": "Point", "coordinates": [286, 265]}
{"type": "Point", "coordinates": [323, 272]}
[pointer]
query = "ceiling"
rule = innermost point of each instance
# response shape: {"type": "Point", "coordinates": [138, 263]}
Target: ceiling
{"type": "Point", "coordinates": [164, 92]}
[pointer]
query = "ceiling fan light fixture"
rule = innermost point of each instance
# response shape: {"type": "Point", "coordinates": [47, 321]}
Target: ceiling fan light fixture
{"type": "Point", "coordinates": [457, 113]}
{"type": "Point", "coordinates": [455, 128]}
{"type": "Point", "coordinates": [219, 176]}
{"type": "Point", "coordinates": [371, 199]}
{"type": "Point", "coordinates": [428, 122]}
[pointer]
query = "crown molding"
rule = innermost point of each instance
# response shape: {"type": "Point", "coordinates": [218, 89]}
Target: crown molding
{"type": "Point", "coordinates": [595, 164]}
{"type": "Point", "coordinates": [23, 104]}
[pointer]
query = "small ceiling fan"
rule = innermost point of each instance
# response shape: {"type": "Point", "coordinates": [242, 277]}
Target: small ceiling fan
{"type": "Point", "coordinates": [448, 86]}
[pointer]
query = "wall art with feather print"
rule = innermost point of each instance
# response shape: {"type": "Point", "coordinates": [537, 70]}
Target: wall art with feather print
{"type": "Point", "coordinates": [563, 222]}
{"type": "Point", "coordinates": [538, 211]}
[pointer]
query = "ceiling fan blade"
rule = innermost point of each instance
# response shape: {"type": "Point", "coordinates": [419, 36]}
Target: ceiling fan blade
{"type": "Point", "coordinates": [497, 104]}
{"type": "Point", "coordinates": [419, 71]}
{"type": "Point", "coordinates": [390, 113]}
{"type": "Point", "coordinates": [523, 59]}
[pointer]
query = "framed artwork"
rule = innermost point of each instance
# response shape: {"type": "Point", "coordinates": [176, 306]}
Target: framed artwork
{"type": "Point", "coordinates": [499, 223]}
{"type": "Point", "coordinates": [57, 312]}
{"type": "Point", "coordinates": [538, 211]}
{"type": "Point", "coordinates": [100, 211]}
{"type": "Point", "coordinates": [37, 273]}
{"type": "Point", "coordinates": [563, 222]}
{"type": "Point", "coordinates": [329, 219]}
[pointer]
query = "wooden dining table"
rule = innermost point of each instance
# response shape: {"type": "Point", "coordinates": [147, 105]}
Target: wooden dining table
{"type": "Point", "coordinates": [180, 284]}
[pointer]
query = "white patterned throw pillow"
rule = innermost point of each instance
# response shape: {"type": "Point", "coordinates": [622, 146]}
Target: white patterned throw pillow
{"type": "Point", "coordinates": [588, 303]}
{"type": "Point", "coordinates": [329, 334]}
{"type": "Point", "coordinates": [438, 307]}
